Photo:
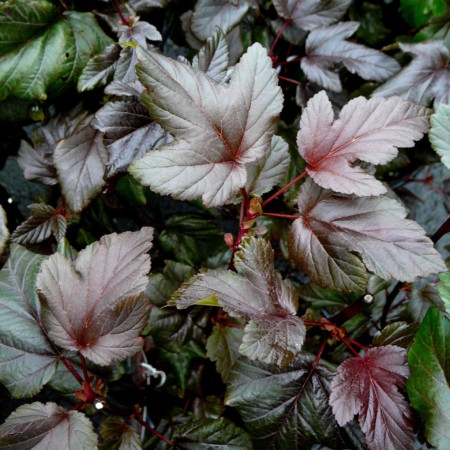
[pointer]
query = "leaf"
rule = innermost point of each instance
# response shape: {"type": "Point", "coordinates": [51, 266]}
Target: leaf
{"type": "Point", "coordinates": [437, 29]}
{"type": "Point", "coordinates": [419, 12]}
{"type": "Point", "coordinates": [366, 130]}
{"type": "Point", "coordinates": [100, 69]}
{"type": "Point", "coordinates": [421, 299]}
{"type": "Point", "coordinates": [257, 292]}
{"type": "Point", "coordinates": [328, 46]}
{"type": "Point", "coordinates": [37, 160]}
{"type": "Point", "coordinates": [209, 14]}
{"type": "Point", "coordinates": [118, 435]}
{"type": "Point", "coordinates": [46, 426]}
{"type": "Point", "coordinates": [400, 334]}
{"type": "Point", "coordinates": [310, 14]}
{"type": "Point", "coordinates": [129, 132]}
{"type": "Point", "coordinates": [44, 221]}
{"type": "Point", "coordinates": [4, 232]}
{"type": "Point", "coordinates": [369, 386]}
{"type": "Point", "coordinates": [440, 133]}
{"type": "Point", "coordinates": [444, 290]}
{"type": "Point", "coordinates": [236, 120]}
{"type": "Point", "coordinates": [80, 160]}
{"type": "Point", "coordinates": [335, 235]}
{"type": "Point", "coordinates": [223, 348]}
{"type": "Point", "coordinates": [326, 298]}
{"type": "Point", "coordinates": [428, 385]}
{"type": "Point", "coordinates": [27, 357]}
{"type": "Point", "coordinates": [425, 78]}
{"type": "Point", "coordinates": [284, 408]}
{"type": "Point", "coordinates": [95, 305]}
{"type": "Point", "coordinates": [372, 30]}
{"type": "Point", "coordinates": [210, 433]}
{"type": "Point", "coordinates": [42, 52]}
{"type": "Point", "coordinates": [264, 174]}
{"type": "Point", "coordinates": [213, 58]}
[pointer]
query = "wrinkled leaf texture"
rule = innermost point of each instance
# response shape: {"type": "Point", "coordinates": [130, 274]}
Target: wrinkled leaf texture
{"type": "Point", "coordinates": [47, 426]}
{"type": "Point", "coordinates": [327, 46]}
{"type": "Point", "coordinates": [42, 53]}
{"type": "Point", "coordinates": [440, 133]}
{"type": "Point", "coordinates": [118, 435]}
{"type": "Point", "coordinates": [257, 292]}
{"type": "Point", "coordinates": [366, 130]}
{"type": "Point", "coordinates": [336, 237]}
{"type": "Point", "coordinates": [369, 386]}
{"type": "Point", "coordinates": [95, 305]}
{"type": "Point", "coordinates": [218, 129]}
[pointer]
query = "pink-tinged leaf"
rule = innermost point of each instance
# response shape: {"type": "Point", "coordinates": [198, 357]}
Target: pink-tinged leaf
{"type": "Point", "coordinates": [310, 14]}
{"type": "Point", "coordinates": [337, 236]}
{"type": "Point", "coordinates": [47, 426]}
{"type": "Point", "coordinates": [366, 130]}
{"type": "Point", "coordinates": [369, 386]}
{"type": "Point", "coordinates": [328, 46]}
{"type": "Point", "coordinates": [258, 293]}
{"type": "Point", "coordinates": [425, 78]}
{"type": "Point", "coordinates": [95, 304]}
{"type": "Point", "coordinates": [218, 129]}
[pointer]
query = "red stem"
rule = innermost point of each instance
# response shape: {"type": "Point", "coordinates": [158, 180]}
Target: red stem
{"type": "Point", "coordinates": [281, 216]}
{"type": "Point", "coordinates": [362, 347]}
{"type": "Point", "coordinates": [71, 369]}
{"type": "Point", "coordinates": [290, 80]}
{"type": "Point", "coordinates": [124, 20]}
{"type": "Point", "coordinates": [284, 63]}
{"type": "Point", "coordinates": [284, 189]}
{"type": "Point", "coordinates": [242, 231]}
{"type": "Point", "coordinates": [83, 365]}
{"type": "Point", "coordinates": [348, 345]}
{"type": "Point", "coordinates": [153, 431]}
{"type": "Point", "coordinates": [286, 23]}
{"type": "Point", "coordinates": [231, 324]}
{"type": "Point", "coordinates": [319, 355]}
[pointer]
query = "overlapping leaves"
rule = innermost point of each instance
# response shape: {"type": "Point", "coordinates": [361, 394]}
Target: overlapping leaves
{"type": "Point", "coordinates": [95, 305]}
{"type": "Point", "coordinates": [257, 292]}
{"type": "Point", "coordinates": [366, 130]}
{"type": "Point", "coordinates": [336, 237]}
{"type": "Point", "coordinates": [235, 120]}
{"type": "Point", "coordinates": [440, 133]}
{"type": "Point", "coordinates": [369, 386]}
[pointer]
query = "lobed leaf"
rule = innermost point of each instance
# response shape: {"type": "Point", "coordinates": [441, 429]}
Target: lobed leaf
{"type": "Point", "coordinates": [400, 334]}
{"type": "Point", "coordinates": [27, 357]}
{"type": "Point", "coordinates": [428, 385]}
{"type": "Point", "coordinates": [369, 386]}
{"type": "Point", "coordinates": [425, 78]}
{"type": "Point", "coordinates": [118, 435]}
{"type": "Point", "coordinates": [257, 292]}
{"type": "Point", "coordinates": [366, 130]}
{"type": "Point", "coordinates": [422, 298]}
{"type": "Point", "coordinates": [310, 14]}
{"type": "Point", "coordinates": [419, 12]}
{"type": "Point", "coordinates": [95, 304]}
{"type": "Point", "coordinates": [45, 426]}
{"type": "Point", "coordinates": [328, 46]}
{"type": "Point", "coordinates": [336, 236]}
{"type": "Point", "coordinates": [42, 51]}
{"type": "Point", "coordinates": [440, 133]}
{"type": "Point", "coordinates": [236, 120]}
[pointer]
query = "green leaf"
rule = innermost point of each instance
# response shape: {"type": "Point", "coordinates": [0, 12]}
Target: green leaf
{"type": "Point", "coordinates": [4, 232]}
{"type": "Point", "coordinates": [400, 334]}
{"type": "Point", "coordinates": [27, 357]}
{"type": "Point", "coordinates": [419, 12]}
{"type": "Point", "coordinates": [444, 290]}
{"type": "Point", "coordinates": [47, 426]}
{"type": "Point", "coordinates": [440, 133]}
{"type": "Point", "coordinates": [118, 435]}
{"type": "Point", "coordinates": [285, 408]}
{"type": "Point", "coordinates": [223, 348]}
{"type": "Point", "coordinates": [326, 298]}
{"type": "Point", "coordinates": [42, 53]}
{"type": "Point", "coordinates": [437, 29]}
{"type": "Point", "coordinates": [206, 434]}
{"type": "Point", "coordinates": [212, 300]}
{"type": "Point", "coordinates": [428, 385]}
{"type": "Point", "coordinates": [131, 191]}
{"type": "Point", "coordinates": [371, 28]}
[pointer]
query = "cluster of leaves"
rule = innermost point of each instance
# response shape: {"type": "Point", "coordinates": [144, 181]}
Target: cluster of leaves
{"type": "Point", "coordinates": [293, 285]}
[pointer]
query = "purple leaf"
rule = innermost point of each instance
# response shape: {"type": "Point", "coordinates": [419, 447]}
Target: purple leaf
{"type": "Point", "coordinates": [310, 14]}
{"type": "Point", "coordinates": [95, 305]}
{"type": "Point", "coordinates": [369, 386]}
{"type": "Point", "coordinates": [47, 426]}
{"type": "Point", "coordinates": [426, 77]}
{"type": "Point", "coordinates": [327, 46]}
{"type": "Point", "coordinates": [337, 234]}
{"type": "Point", "coordinates": [366, 130]}
{"type": "Point", "coordinates": [80, 163]}
{"type": "Point", "coordinates": [218, 129]}
{"type": "Point", "coordinates": [257, 292]}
